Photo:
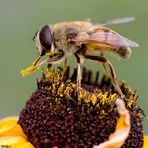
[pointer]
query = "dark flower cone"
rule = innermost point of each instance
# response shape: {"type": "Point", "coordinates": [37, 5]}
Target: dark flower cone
{"type": "Point", "coordinates": [58, 114]}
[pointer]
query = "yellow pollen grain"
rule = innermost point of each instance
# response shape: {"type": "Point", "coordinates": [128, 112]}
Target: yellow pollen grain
{"type": "Point", "coordinates": [82, 94]}
{"type": "Point", "coordinates": [102, 113]}
{"type": "Point", "coordinates": [103, 98]}
{"type": "Point", "coordinates": [60, 89]}
{"type": "Point", "coordinates": [87, 97]}
{"type": "Point", "coordinates": [94, 99]}
{"type": "Point", "coordinates": [67, 90]}
{"type": "Point", "coordinates": [113, 96]}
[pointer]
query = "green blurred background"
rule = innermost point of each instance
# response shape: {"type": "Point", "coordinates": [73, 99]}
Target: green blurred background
{"type": "Point", "coordinates": [19, 19]}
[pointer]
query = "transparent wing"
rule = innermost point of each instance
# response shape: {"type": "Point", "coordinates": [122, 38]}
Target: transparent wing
{"type": "Point", "coordinates": [116, 21]}
{"type": "Point", "coordinates": [108, 38]}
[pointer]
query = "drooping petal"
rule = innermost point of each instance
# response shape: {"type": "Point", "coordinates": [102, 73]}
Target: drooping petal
{"type": "Point", "coordinates": [117, 139]}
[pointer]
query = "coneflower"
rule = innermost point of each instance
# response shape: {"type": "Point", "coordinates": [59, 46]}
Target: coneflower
{"type": "Point", "coordinates": [58, 114]}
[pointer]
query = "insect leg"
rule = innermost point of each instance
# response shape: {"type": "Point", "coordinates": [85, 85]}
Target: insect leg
{"type": "Point", "coordinates": [54, 59]}
{"type": "Point", "coordinates": [79, 67]}
{"type": "Point", "coordinates": [31, 68]}
{"type": "Point", "coordinates": [36, 61]}
{"type": "Point", "coordinates": [104, 66]}
{"type": "Point", "coordinates": [112, 71]}
{"type": "Point", "coordinates": [65, 66]}
{"type": "Point", "coordinates": [65, 63]}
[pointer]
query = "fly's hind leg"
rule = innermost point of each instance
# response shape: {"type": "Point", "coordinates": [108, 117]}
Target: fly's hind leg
{"type": "Point", "coordinates": [104, 66]}
{"type": "Point", "coordinates": [112, 73]}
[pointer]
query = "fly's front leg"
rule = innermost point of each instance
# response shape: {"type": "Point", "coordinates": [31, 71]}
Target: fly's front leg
{"type": "Point", "coordinates": [31, 68]}
{"type": "Point", "coordinates": [112, 71]}
{"type": "Point", "coordinates": [53, 59]}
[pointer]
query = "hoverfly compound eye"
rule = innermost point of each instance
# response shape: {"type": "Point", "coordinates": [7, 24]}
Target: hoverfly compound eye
{"type": "Point", "coordinates": [45, 37]}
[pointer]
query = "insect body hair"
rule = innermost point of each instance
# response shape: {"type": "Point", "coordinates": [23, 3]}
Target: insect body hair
{"type": "Point", "coordinates": [123, 52]}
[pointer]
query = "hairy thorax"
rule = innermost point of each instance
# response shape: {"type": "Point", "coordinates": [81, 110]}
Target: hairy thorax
{"type": "Point", "coordinates": [64, 36]}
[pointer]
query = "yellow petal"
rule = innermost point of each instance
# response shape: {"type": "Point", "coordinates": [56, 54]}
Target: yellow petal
{"type": "Point", "coordinates": [15, 142]}
{"type": "Point", "coordinates": [9, 127]}
{"type": "Point", "coordinates": [11, 134]}
{"type": "Point", "coordinates": [145, 142]}
{"type": "Point", "coordinates": [117, 139]}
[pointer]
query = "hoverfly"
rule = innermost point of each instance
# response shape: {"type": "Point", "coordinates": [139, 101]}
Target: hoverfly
{"type": "Point", "coordinates": [84, 40]}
